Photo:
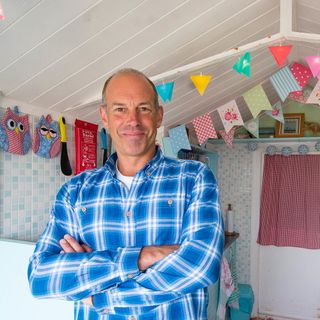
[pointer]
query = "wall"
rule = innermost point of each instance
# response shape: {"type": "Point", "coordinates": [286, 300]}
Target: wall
{"type": "Point", "coordinates": [28, 185]}
{"type": "Point", "coordinates": [234, 178]}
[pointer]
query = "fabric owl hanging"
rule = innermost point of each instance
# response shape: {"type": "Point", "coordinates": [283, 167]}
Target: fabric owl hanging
{"type": "Point", "coordinates": [46, 138]}
{"type": "Point", "coordinates": [14, 132]}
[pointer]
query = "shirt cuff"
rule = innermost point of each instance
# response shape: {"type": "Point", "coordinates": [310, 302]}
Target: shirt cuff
{"type": "Point", "coordinates": [128, 263]}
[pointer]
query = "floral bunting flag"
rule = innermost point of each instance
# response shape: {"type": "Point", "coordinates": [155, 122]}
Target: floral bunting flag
{"type": "Point", "coordinates": [315, 94]}
{"type": "Point", "coordinates": [204, 128]}
{"type": "Point", "coordinates": [302, 74]}
{"type": "Point", "coordinates": [179, 138]}
{"type": "Point", "coordinates": [284, 82]}
{"type": "Point", "coordinates": [257, 100]}
{"type": "Point", "coordinates": [276, 112]}
{"type": "Point", "coordinates": [165, 91]}
{"type": "Point", "coordinates": [253, 126]}
{"type": "Point", "coordinates": [228, 137]}
{"type": "Point", "coordinates": [230, 115]}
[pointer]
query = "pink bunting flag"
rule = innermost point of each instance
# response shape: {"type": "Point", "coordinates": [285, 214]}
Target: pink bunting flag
{"type": "Point", "coordinates": [2, 16]}
{"type": "Point", "coordinates": [315, 94]}
{"type": "Point", "coordinates": [230, 115]}
{"type": "Point", "coordinates": [302, 74]}
{"type": "Point", "coordinates": [314, 64]}
{"type": "Point", "coordinates": [228, 137]}
{"type": "Point", "coordinates": [204, 128]}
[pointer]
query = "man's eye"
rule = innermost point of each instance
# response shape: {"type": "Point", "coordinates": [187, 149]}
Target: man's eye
{"type": "Point", "coordinates": [145, 109]}
{"type": "Point", "coordinates": [120, 110]}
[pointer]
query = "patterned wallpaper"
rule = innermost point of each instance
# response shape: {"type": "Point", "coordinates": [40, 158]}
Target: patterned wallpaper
{"type": "Point", "coordinates": [234, 178]}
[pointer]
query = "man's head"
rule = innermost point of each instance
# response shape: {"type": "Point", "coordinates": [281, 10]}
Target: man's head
{"type": "Point", "coordinates": [131, 112]}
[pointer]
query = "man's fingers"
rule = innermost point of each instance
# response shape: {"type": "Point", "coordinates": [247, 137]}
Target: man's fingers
{"type": "Point", "coordinates": [86, 248]}
{"type": "Point", "coordinates": [73, 243]}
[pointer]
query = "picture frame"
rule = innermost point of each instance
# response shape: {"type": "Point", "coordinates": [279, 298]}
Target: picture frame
{"type": "Point", "coordinates": [292, 127]}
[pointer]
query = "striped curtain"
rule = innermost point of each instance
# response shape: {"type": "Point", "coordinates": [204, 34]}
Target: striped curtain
{"type": "Point", "coordinates": [290, 201]}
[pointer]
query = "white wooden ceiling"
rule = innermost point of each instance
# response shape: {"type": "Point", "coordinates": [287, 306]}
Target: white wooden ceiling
{"type": "Point", "coordinates": [56, 55]}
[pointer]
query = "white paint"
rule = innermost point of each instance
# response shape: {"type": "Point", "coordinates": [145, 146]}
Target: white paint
{"type": "Point", "coordinates": [285, 280]}
{"type": "Point", "coordinates": [16, 301]}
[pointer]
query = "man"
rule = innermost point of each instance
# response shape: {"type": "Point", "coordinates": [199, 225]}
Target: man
{"type": "Point", "coordinates": [140, 238]}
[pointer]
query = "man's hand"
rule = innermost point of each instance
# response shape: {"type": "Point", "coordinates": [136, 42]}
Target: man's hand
{"type": "Point", "coordinates": [152, 254]}
{"type": "Point", "coordinates": [69, 245]}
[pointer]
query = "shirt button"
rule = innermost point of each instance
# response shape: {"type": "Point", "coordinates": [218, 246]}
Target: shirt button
{"type": "Point", "coordinates": [148, 173]}
{"type": "Point", "coordinates": [105, 310]}
{"type": "Point", "coordinates": [170, 202]}
{"type": "Point", "coordinates": [132, 318]}
{"type": "Point", "coordinates": [130, 275]}
{"type": "Point", "coordinates": [83, 209]}
{"type": "Point", "coordinates": [128, 214]}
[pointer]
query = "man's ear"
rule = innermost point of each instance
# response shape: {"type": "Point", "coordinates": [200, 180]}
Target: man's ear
{"type": "Point", "coordinates": [104, 117]}
{"type": "Point", "coordinates": [160, 116]}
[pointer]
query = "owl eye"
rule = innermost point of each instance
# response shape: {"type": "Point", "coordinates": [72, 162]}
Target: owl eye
{"type": "Point", "coordinates": [20, 127]}
{"type": "Point", "coordinates": [53, 133]}
{"type": "Point", "coordinates": [43, 130]}
{"type": "Point", "coordinates": [11, 124]}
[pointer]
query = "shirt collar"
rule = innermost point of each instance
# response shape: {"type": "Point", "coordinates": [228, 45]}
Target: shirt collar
{"type": "Point", "coordinates": [147, 169]}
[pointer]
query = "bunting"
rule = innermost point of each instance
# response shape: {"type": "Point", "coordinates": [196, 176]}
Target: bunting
{"type": "Point", "coordinates": [179, 139]}
{"type": "Point", "coordinates": [165, 91]}
{"type": "Point", "coordinates": [201, 82]}
{"type": "Point", "coordinates": [284, 82]}
{"type": "Point", "coordinates": [277, 112]}
{"type": "Point", "coordinates": [166, 142]}
{"type": "Point", "coordinates": [230, 115]}
{"type": "Point", "coordinates": [315, 94]}
{"type": "Point", "coordinates": [243, 66]}
{"type": "Point", "coordinates": [257, 100]}
{"type": "Point", "coordinates": [204, 128]}
{"type": "Point", "coordinates": [314, 64]}
{"type": "Point", "coordinates": [253, 126]}
{"type": "Point", "coordinates": [227, 137]}
{"type": "Point", "coordinates": [302, 74]}
{"type": "Point", "coordinates": [280, 53]}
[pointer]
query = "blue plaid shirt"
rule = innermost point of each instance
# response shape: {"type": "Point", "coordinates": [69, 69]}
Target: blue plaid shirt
{"type": "Point", "coordinates": [170, 202]}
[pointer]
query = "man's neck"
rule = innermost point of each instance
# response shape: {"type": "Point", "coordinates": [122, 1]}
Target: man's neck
{"type": "Point", "coordinates": [129, 166]}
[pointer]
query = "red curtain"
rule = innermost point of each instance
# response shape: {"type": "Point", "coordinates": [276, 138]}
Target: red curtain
{"type": "Point", "coordinates": [290, 201]}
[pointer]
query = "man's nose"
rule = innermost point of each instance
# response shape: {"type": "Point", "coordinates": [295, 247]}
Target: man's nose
{"type": "Point", "coordinates": [133, 117]}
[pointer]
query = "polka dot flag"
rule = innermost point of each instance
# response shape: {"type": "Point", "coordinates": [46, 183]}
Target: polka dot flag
{"type": "Point", "coordinates": [228, 137]}
{"type": "Point", "coordinates": [204, 128]}
{"type": "Point", "coordinates": [302, 74]}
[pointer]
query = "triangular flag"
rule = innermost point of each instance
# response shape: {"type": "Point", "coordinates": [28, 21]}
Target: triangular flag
{"type": "Point", "coordinates": [204, 128]}
{"type": "Point", "coordinates": [165, 91]}
{"type": "Point", "coordinates": [253, 126]}
{"type": "Point", "coordinates": [280, 53]}
{"type": "Point", "coordinates": [276, 112]}
{"type": "Point", "coordinates": [242, 66]}
{"type": "Point", "coordinates": [314, 64]}
{"type": "Point", "coordinates": [166, 141]}
{"type": "Point", "coordinates": [303, 97]}
{"type": "Point", "coordinates": [284, 82]}
{"type": "Point", "coordinates": [2, 16]}
{"type": "Point", "coordinates": [227, 137]}
{"type": "Point", "coordinates": [201, 82]}
{"type": "Point", "coordinates": [230, 115]}
{"type": "Point", "coordinates": [315, 94]}
{"type": "Point", "coordinates": [179, 138]}
{"type": "Point", "coordinates": [302, 74]}
{"type": "Point", "coordinates": [257, 100]}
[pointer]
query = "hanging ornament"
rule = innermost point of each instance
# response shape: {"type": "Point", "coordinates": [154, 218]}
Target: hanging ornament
{"type": "Point", "coordinates": [271, 150]}
{"type": "Point", "coordinates": [317, 146]}
{"type": "Point", "coordinates": [286, 151]}
{"type": "Point", "coordinates": [303, 149]}
{"type": "Point", "coordinates": [165, 91]}
{"type": "Point", "coordinates": [314, 64]}
{"type": "Point", "coordinates": [280, 53]}
{"type": "Point", "coordinates": [243, 65]}
{"type": "Point", "coordinates": [201, 82]}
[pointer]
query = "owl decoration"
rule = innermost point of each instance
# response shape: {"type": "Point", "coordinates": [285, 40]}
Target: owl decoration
{"type": "Point", "coordinates": [14, 132]}
{"type": "Point", "coordinates": [46, 138]}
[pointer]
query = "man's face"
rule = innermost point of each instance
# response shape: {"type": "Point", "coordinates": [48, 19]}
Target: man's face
{"type": "Point", "coordinates": [131, 116]}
